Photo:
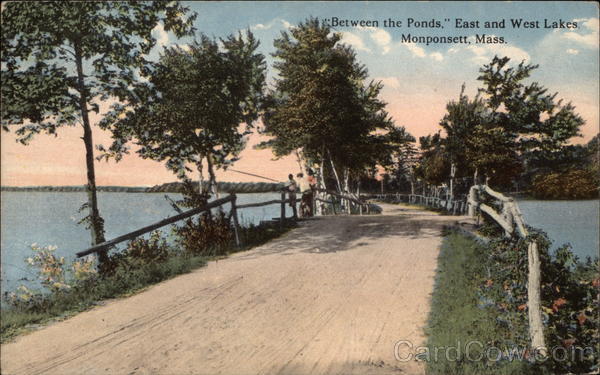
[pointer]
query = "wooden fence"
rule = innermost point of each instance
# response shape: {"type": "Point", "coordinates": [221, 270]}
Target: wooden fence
{"type": "Point", "coordinates": [509, 217]}
{"type": "Point", "coordinates": [232, 199]}
{"type": "Point", "coordinates": [455, 206]}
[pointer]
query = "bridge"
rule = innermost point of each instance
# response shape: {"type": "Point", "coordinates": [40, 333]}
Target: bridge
{"type": "Point", "coordinates": [332, 296]}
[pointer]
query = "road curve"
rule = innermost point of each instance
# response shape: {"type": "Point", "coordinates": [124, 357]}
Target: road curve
{"type": "Point", "coordinates": [333, 296]}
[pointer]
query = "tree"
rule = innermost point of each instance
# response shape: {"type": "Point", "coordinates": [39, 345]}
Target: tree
{"type": "Point", "coordinates": [198, 100]}
{"type": "Point", "coordinates": [525, 118]}
{"type": "Point", "coordinates": [462, 124]}
{"type": "Point", "coordinates": [321, 107]}
{"type": "Point", "coordinates": [59, 59]}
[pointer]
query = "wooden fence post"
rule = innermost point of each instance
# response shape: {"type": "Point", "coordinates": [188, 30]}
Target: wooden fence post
{"type": "Point", "coordinates": [472, 201]}
{"type": "Point", "coordinates": [235, 219]}
{"type": "Point", "coordinates": [282, 219]}
{"type": "Point", "coordinates": [534, 304]}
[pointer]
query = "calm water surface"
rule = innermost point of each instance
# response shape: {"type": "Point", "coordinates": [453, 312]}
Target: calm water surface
{"type": "Point", "coordinates": [574, 222]}
{"type": "Point", "coordinates": [50, 218]}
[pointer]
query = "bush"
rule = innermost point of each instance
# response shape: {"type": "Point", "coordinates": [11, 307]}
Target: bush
{"type": "Point", "coordinates": [573, 184]}
{"type": "Point", "coordinates": [569, 293]}
{"type": "Point", "coordinates": [207, 235]}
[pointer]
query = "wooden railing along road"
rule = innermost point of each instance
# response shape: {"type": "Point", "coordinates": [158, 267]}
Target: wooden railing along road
{"type": "Point", "coordinates": [509, 217]}
{"type": "Point", "coordinates": [232, 198]}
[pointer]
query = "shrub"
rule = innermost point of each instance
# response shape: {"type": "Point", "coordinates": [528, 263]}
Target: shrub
{"type": "Point", "coordinates": [207, 235]}
{"type": "Point", "coordinates": [569, 294]}
{"type": "Point", "coordinates": [572, 184]}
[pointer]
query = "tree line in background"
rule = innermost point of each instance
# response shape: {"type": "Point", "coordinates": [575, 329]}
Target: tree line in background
{"type": "Point", "coordinates": [194, 108]}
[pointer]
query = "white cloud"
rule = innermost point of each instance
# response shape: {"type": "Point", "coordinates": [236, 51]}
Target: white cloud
{"type": "Point", "coordinates": [260, 26]}
{"type": "Point", "coordinates": [354, 40]}
{"type": "Point", "coordinates": [483, 53]}
{"type": "Point", "coordinates": [588, 34]}
{"type": "Point", "coordinates": [415, 49]}
{"type": "Point", "coordinates": [162, 37]}
{"type": "Point", "coordinates": [390, 82]}
{"type": "Point", "coordinates": [436, 56]}
{"type": "Point", "coordinates": [382, 38]}
{"type": "Point", "coordinates": [269, 25]}
{"type": "Point", "coordinates": [572, 51]}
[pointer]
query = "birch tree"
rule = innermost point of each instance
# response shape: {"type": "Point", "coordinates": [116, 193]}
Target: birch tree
{"type": "Point", "coordinates": [203, 102]}
{"type": "Point", "coordinates": [60, 59]}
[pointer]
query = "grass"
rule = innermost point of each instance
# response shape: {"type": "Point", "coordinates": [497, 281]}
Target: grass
{"type": "Point", "coordinates": [126, 281]}
{"type": "Point", "coordinates": [457, 321]}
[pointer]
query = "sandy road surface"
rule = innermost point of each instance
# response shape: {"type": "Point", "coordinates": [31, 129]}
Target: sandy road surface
{"type": "Point", "coordinates": [331, 297]}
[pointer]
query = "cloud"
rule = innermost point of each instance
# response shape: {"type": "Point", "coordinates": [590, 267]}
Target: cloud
{"type": "Point", "coordinates": [436, 56]}
{"type": "Point", "coordinates": [162, 37]}
{"type": "Point", "coordinates": [260, 26]}
{"type": "Point", "coordinates": [355, 41]}
{"type": "Point", "coordinates": [269, 25]}
{"type": "Point", "coordinates": [389, 82]}
{"type": "Point", "coordinates": [572, 51]}
{"type": "Point", "coordinates": [483, 53]}
{"type": "Point", "coordinates": [586, 37]}
{"type": "Point", "coordinates": [415, 49]}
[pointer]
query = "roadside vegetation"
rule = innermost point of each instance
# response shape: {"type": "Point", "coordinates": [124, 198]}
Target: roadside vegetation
{"type": "Point", "coordinates": [68, 288]}
{"type": "Point", "coordinates": [481, 298]}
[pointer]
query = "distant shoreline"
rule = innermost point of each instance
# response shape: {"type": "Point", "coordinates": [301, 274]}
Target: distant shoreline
{"type": "Point", "coordinates": [171, 187]}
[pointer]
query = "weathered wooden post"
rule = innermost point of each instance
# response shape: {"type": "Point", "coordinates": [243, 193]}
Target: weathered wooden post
{"type": "Point", "coordinates": [282, 219]}
{"type": "Point", "coordinates": [472, 201]}
{"type": "Point", "coordinates": [536, 327]}
{"type": "Point", "coordinates": [235, 219]}
{"type": "Point", "coordinates": [534, 279]}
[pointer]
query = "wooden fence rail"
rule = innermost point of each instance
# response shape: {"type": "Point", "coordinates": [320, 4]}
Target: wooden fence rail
{"type": "Point", "coordinates": [170, 220]}
{"type": "Point", "coordinates": [510, 218]}
{"type": "Point", "coordinates": [232, 198]}
{"type": "Point", "coordinates": [450, 205]}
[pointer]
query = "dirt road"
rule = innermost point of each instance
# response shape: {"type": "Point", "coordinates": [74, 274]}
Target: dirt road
{"type": "Point", "coordinates": [330, 297]}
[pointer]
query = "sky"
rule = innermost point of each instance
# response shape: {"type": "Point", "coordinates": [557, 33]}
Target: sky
{"type": "Point", "coordinates": [419, 79]}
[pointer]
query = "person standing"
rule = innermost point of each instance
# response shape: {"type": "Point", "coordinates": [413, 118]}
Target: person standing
{"type": "Point", "coordinates": [306, 189]}
{"type": "Point", "coordinates": [291, 187]}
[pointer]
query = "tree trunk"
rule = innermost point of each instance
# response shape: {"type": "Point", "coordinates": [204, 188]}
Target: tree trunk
{"type": "Point", "coordinates": [452, 174]}
{"type": "Point", "coordinates": [201, 189]}
{"type": "Point", "coordinates": [96, 222]}
{"type": "Point", "coordinates": [299, 160]}
{"type": "Point", "coordinates": [321, 185]}
{"type": "Point", "coordinates": [347, 189]}
{"type": "Point", "coordinates": [212, 182]}
{"type": "Point", "coordinates": [337, 178]}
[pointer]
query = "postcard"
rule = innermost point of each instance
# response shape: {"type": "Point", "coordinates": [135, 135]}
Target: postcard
{"type": "Point", "coordinates": [325, 187]}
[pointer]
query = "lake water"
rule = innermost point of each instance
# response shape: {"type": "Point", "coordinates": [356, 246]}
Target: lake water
{"type": "Point", "coordinates": [574, 222]}
{"type": "Point", "coordinates": [50, 218]}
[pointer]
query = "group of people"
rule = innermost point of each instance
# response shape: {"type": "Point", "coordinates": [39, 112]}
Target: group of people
{"type": "Point", "coordinates": [305, 187]}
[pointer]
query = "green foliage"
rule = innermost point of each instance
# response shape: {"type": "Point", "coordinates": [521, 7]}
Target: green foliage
{"type": "Point", "coordinates": [143, 262]}
{"type": "Point", "coordinates": [199, 97]}
{"type": "Point", "coordinates": [572, 184]}
{"type": "Point", "coordinates": [509, 128]}
{"type": "Point", "coordinates": [207, 235]}
{"type": "Point", "coordinates": [60, 59]}
{"type": "Point", "coordinates": [458, 316]}
{"type": "Point", "coordinates": [41, 43]}
{"type": "Point", "coordinates": [318, 77]}
{"type": "Point", "coordinates": [569, 307]}
{"type": "Point", "coordinates": [481, 295]}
